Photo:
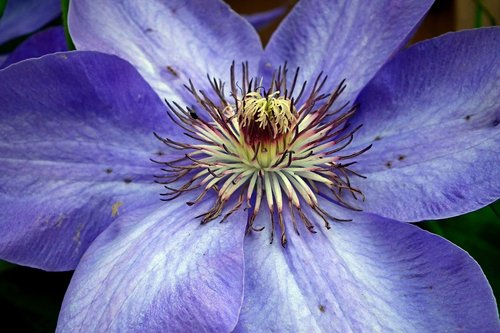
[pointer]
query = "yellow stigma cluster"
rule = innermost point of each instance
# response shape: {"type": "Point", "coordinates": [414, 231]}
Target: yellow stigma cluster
{"type": "Point", "coordinates": [260, 147]}
{"type": "Point", "coordinates": [275, 112]}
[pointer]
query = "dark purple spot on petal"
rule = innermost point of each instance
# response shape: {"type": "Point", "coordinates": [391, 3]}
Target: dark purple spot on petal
{"type": "Point", "coordinates": [467, 117]}
{"type": "Point", "coordinates": [377, 138]}
{"type": "Point", "coordinates": [401, 157]}
{"type": "Point", "coordinates": [388, 164]}
{"type": "Point", "coordinates": [127, 180]}
{"type": "Point", "coordinates": [108, 170]}
{"type": "Point", "coordinates": [322, 308]}
{"type": "Point", "coordinates": [172, 71]}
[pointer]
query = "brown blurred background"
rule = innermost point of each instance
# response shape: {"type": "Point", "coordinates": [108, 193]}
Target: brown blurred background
{"type": "Point", "coordinates": [445, 15]}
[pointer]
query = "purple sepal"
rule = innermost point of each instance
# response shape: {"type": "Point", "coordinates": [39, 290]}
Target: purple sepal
{"type": "Point", "coordinates": [76, 139]}
{"type": "Point", "coordinates": [343, 39]}
{"type": "Point", "coordinates": [159, 270]}
{"type": "Point", "coordinates": [169, 42]}
{"type": "Point", "coordinates": [368, 275]}
{"type": "Point", "coordinates": [432, 115]}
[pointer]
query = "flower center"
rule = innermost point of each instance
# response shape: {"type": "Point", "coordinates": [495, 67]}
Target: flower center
{"type": "Point", "coordinates": [261, 147]}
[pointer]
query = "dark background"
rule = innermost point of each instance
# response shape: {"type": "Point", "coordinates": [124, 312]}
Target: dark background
{"type": "Point", "coordinates": [30, 299]}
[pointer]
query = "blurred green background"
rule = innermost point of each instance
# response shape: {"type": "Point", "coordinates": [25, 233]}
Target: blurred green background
{"type": "Point", "coordinates": [30, 299]}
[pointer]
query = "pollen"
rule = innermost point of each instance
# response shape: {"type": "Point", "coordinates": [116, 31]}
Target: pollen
{"type": "Point", "coordinates": [115, 207]}
{"type": "Point", "coordinates": [275, 147]}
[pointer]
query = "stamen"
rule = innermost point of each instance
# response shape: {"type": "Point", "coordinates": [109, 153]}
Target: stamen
{"type": "Point", "coordinates": [263, 143]}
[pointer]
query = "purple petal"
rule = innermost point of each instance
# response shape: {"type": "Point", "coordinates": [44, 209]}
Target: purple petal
{"type": "Point", "coordinates": [76, 138]}
{"type": "Point", "coordinates": [159, 271]}
{"type": "Point", "coordinates": [24, 16]}
{"type": "Point", "coordinates": [168, 41]}
{"type": "Point", "coordinates": [263, 19]}
{"type": "Point", "coordinates": [371, 275]}
{"type": "Point", "coordinates": [48, 41]}
{"type": "Point", "coordinates": [435, 112]}
{"type": "Point", "coordinates": [345, 39]}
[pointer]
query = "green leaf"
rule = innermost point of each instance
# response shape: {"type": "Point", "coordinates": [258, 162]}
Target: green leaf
{"type": "Point", "coordinates": [65, 8]}
{"type": "Point", "coordinates": [5, 266]}
{"type": "Point", "coordinates": [478, 17]}
{"type": "Point", "coordinates": [481, 11]}
{"type": "Point", "coordinates": [3, 4]}
{"type": "Point", "coordinates": [30, 299]}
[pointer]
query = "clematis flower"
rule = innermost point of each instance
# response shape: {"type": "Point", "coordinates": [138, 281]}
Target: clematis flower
{"type": "Point", "coordinates": [48, 41]}
{"type": "Point", "coordinates": [21, 17]}
{"type": "Point", "coordinates": [280, 212]}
